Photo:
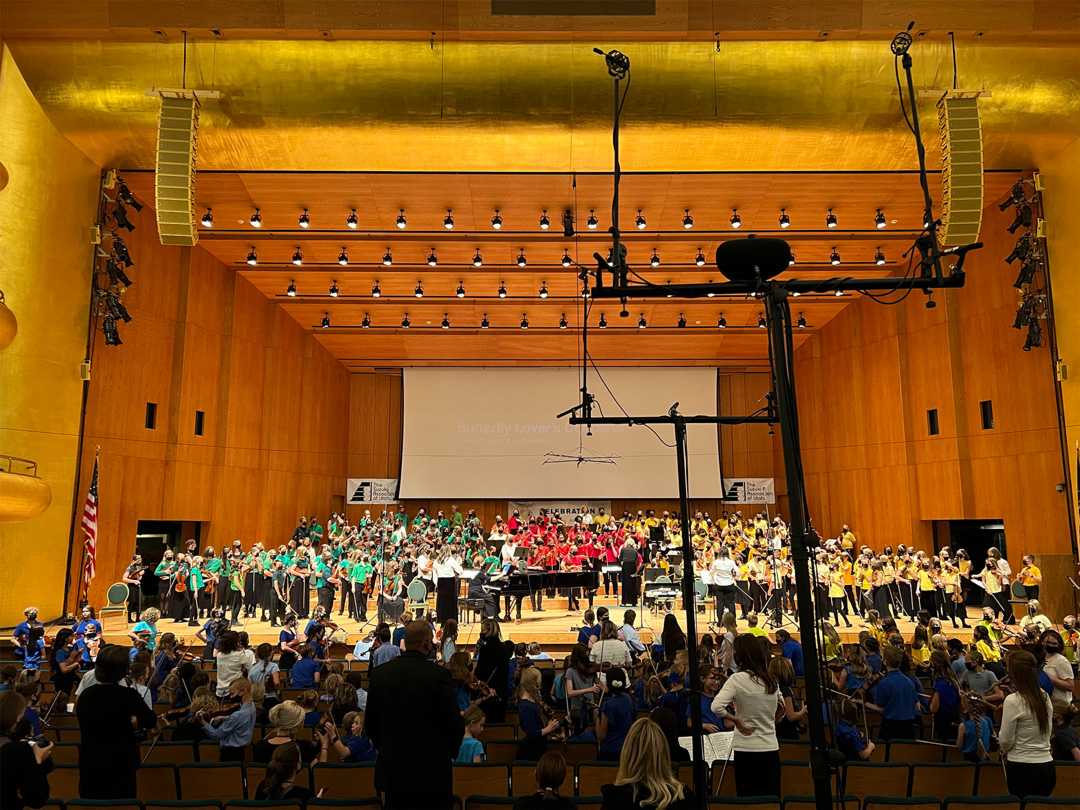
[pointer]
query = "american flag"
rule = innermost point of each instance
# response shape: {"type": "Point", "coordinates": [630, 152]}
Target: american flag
{"type": "Point", "coordinates": [89, 526]}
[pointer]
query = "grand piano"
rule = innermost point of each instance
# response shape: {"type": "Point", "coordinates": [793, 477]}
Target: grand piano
{"type": "Point", "coordinates": [532, 580]}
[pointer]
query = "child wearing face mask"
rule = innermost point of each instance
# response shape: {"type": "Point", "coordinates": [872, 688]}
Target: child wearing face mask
{"type": "Point", "coordinates": [1058, 669]}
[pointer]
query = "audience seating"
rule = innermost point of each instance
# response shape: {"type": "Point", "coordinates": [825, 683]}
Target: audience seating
{"type": "Point", "coordinates": [876, 778]}
{"type": "Point", "coordinates": [1050, 803]}
{"type": "Point", "coordinates": [1068, 779]}
{"type": "Point", "coordinates": [278, 804]}
{"type": "Point", "coordinates": [748, 803]}
{"type": "Point", "coordinates": [156, 782]}
{"type": "Point", "coordinates": [173, 753]}
{"type": "Point", "coordinates": [942, 779]}
{"type": "Point", "coordinates": [1002, 802]}
{"type": "Point", "coordinates": [578, 752]}
{"type": "Point", "coordinates": [254, 773]}
{"type": "Point", "coordinates": [500, 751]}
{"type": "Point", "coordinates": [324, 802]}
{"type": "Point", "coordinates": [808, 803]}
{"type": "Point", "coordinates": [721, 779]}
{"type": "Point", "coordinates": [501, 731]}
{"type": "Point", "coordinates": [64, 782]}
{"type": "Point", "coordinates": [523, 779]}
{"type": "Point", "coordinates": [589, 802]}
{"type": "Point", "coordinates": [115, 804]}
{"type": "Point", "coordinates": [345, 780]}
{"type": "Point", "coordinates": [221, 781]}
{"type": "Point", "coordinates": [591, 775]}
{"type": "Point", "coordinates": [990, 780]}
{"type": "Point", "coordinates": [192, 804]}
{"type": "Point", "coordinates": [488, 801]}
{"type": "Point", "coordinates": [481, 779]}
{"type": "Point", "coordinates": [913, 751]}
{"type": "Point", "coordinates": [65, 753]}
{"type": "Point", "coordinates": [898, 803]}
{"type": "Point", "coordinates": [795, 777]}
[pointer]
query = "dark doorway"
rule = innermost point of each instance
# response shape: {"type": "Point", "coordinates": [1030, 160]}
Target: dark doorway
{"type": "Point", "coordinates": [974, 536]}
{"type": "Point", "coordinates": [152, 537]}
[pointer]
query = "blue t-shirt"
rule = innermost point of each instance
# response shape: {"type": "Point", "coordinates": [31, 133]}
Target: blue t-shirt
{"type": "Point", "coordinates": [849, 740]}
{"type": "Point", "coordinates": [1045, 683]}
{"type": "Point", "coordinates": [286, 636]}
{"type": "Point", "coordinates": [948, 698]}
{"type": "Point", "coordinates": [529, 718]}
{"type": "Point", "coordinates": [896, 694]}
{"type": "Point", "coordinates": [853, 681]}
{"type": "Point", "coordinates": [973, 733]}
{"type": "Point", "coordinates": [792, 651]}
{"type": "Point", "coordinates": [707, 714]}
{"type": "Point", "coordinates": [21, 633]}
{"type": "Point", "coordinates": [619, 711]}
{"type": "Point", "coordinates": [302, 674]}
{"type": "Point", "coordinates": [396, 638]}
{"type": "Point", "coordinates": [360, 748]}
{"type": "Point", "coordinates": [470, 749]}
{"type": "Point", "coordinates": [873, 661]}
{"type": "Point", "coordinates": [33, 655]}
{"type": "Point", "coordinates": [587, 632]}
{"type": "Point", "coordinates": [61, 656]}
{"type": "Point", "coordinates": [86, 625]}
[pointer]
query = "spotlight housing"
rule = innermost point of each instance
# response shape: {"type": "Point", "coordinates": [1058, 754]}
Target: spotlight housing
{"type": "Point", "coordinates": [432, 259]}
{"type": "Point", "coordinates": [736, 220]}
{"type": "Point", "coordinates": [485, 323]}
{"type": "Point", "coordinates": [446, 320]}
{"type": "Point", "coordinates": [521, 261]}
{"type": "Point", "coordinates": [721, 322]}
{"type": "Point", "coordinates": [419, 291]}
{"type": "Point", "coordinates": [252, 257]}
{"type": "Point", "coordinates": [568, 223]}
{"type": "Point", "coordinates": [366, 323]}
{"type": "Point", "coordinates": [256, 219]}
{"type": "Point", "coordinates": [562, 321]}
{"type": "Point", "coordinates": [304, 220]}
{"type": "Point", "coordinates": [291, 289]}
{"type": "Point", "coordinates": [592, 221]}
{"type": "Point", "coordinates": [543, 290]}
{"type": "Point", "coordinates": [785, 220]}
{"type": "Point", "coordinates": [352, 221]}
{"type": "Point", "coordinates": [326, 320]}
{"type": "Point", "coordinates": [566, 260]}
{"type": "Point", "coordinates": [448, 220]}
{"type": "Point", "coordinates": [477, 259]}
{"type": "Point", "coordinates": [376, 290]}
{"type": "Point", "coordinates": [524, 321]}
{"type": "Point", "coordinates": [699, 260]}
{"type": "Point", "coordinates": [298, 257]}
{"type": "Point", "coordinates": [343, 257]}
{"type": "Point", "coordinates": [401, 222]}
{"type": "Point", "coordinates": [639, 220]}
{"type": "Point", "coordinates": [879, 219]}
{"type": "Point", "coordinates": [405, 322]}
{"type": "Point", "coordinates": [334, 289]}
{"type": "Point", "coordinates": [603, 321]}
{"type": "Point", "coordinates": [834, 257]}
{"type": "Point", "coordinates": [545, 222]}
{"type": "Point", "coordinates": [496, 220]}
{"type": "Point", "coordinates": [879, 257]}
{"type": "Point", "coordinates": [208, 218]}
{"type": "Point", "coordinates": [654, 260]}
{"type": "Point", "coordinates": [801, 323]}
{"type": "Point", "coordinates": [387, 258]}
{"type": "Point", "coordinates": [830, 219]}
{"type": "Point", "coordinates": [687, 220]}
{"type": "Point", "coordinates": [641, 324]}
{"type": "Point", "coordinates": [760, 321]}
{"type": "Point", "coordinates": [460, 290]}
{"type": "Point", "coordinates": [682, 321]}
{"type": "Point", "coordinates": [502, 290]}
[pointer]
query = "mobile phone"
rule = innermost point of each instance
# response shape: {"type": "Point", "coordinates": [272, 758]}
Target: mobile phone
{"type": "Point", "coordinates": [40, 740]}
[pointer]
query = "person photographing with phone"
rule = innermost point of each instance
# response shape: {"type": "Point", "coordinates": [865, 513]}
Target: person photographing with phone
{"type": "Point", "coordinates": [25, 762]}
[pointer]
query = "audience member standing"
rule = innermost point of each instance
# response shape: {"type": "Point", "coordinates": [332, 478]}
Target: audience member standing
{"type": "Point", "coordinates": [110, 713]}
{"type": "Point", "coordinates": [24, 765]}
{"type": "Point", "coordinates": [645, 780]}
{"type": "Point", "coordinates": [1025, 731]}
{"type": "Point", "coordinates": [406, 694]}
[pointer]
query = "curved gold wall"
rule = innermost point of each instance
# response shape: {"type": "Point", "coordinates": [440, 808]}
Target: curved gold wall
{"type": "Point", "coordinates": [45, 212]}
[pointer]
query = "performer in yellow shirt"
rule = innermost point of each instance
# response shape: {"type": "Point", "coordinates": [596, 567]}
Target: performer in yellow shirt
{"type": "Point", "coordinates": [837, 595]}
{"type": "Point", "coordinates": [1030, 577]}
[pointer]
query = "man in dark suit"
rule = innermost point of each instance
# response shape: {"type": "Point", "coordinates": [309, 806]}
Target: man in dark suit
{"type": "Point", "coordinates": [412, 718]}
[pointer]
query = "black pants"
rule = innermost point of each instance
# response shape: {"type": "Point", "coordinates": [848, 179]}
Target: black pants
{"type": "Point", "coordinates": [326, 598]}
{"type": "Point", "coordinates": [359, 600]}
{"type": "Point", "coordinates": [629, 584]}
{"type": "Point", "coordinates": [849, 590]}
{"type": "Point", "coordinates": [898, 730]}
{"type": "Point", "coordinates": [928, 602]}
{"type": "Point", "coordinates": [1031, 591]}
{"type": "Point", "coordinates": [1004, 595]}
{"type": "Point", "coordinates": [236, 601]}
{"type": "Point", "coordinates": [611, 583]}
{"type": "Point", "coordinates": [517, 600]}
{"type": "Point", "coordinates": [839, 609]}
{"type": "Point", "coordinates": [1030, 779]}
{"type": "Point", "coordinates": [446, 598]}
{"type": "Point", "coordinates": [757, 773]}
{"type": "Point", "coordinates": [725, 601]}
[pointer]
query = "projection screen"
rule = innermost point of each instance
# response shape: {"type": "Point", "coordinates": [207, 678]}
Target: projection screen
{"type": "Point", "coordinates": [486, 433]}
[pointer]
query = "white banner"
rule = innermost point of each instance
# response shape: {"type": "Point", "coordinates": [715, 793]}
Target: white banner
{"type": "Point", "coordinates": [749, 490]}
{"type": "Point", "coordinates": [371, 490]}
{"type": "Point", "coordinates": [563, 509]}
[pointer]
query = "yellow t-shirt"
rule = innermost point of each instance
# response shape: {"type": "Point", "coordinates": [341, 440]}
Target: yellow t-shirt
{"type": "Point", "coordinates": [920, 656]}
{"type": "Point", "coordinates": [990, 652]}
{"type": "Point", "coordinates": [925, 582]}
{"type": "Point", "coordinates": [1032, 576]}
{"type": "Point", "coordinates": [756, 631]}
{"type": "Point", "coordinates": [836, 585]}
{"type": "Point", "coordinates": [846, 568]}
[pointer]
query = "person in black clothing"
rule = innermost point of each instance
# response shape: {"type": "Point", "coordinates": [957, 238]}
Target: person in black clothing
{"type": "Point", "coordinates": [413, 720]}
{"type": "Point", "coordinates": [550, 775]}
{"type": "Point", "coordinates": [628, 559]}
{"type": "Point", "coordinates": [279, 782]}
{"type": "Point", "coordinates": [672, 637]}
{"type": "Point", "coordinates": [110, 715]}
{"type": "Point", "coordinates": [24, 765]}
{"type": "Point", "coordinates": [493, 668]}
{"type": "Point", "coordinates": [645, 780]}
{"type": "Point", "coordinates": [669, 724]}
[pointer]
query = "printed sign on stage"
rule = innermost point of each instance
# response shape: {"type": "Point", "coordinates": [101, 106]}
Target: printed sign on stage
{"type": "Point", "coordinates": [564, 509]}
{"type": "Point", "coordinates": [749, 490]}
{"type": "Point", "coordinates": [371, 490]}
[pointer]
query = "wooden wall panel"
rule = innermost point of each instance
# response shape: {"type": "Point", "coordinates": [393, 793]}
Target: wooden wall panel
{"type": "Point", "coordinates": [275, 404]}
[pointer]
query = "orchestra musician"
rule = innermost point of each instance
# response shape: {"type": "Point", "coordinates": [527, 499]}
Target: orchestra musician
{"type": "Point", "coordinates": [21, 634]}
{"type": "Point", "coordinates": [132, 577]}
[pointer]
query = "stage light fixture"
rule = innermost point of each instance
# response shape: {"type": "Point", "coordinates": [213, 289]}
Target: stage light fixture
{"type": "Point", "coordinates": [521, 261]}
{"type": "Point", "coordinates": [477, 259]}
{"type": "Point", "coordinates": [366, 323]}
{"type": "Point", "coordinates": [545, 223]}
{"type": "Point", "coordinates": [687, 220]}
{"type": "Point", "coordinates": [485, 323]}
{"type": "Point", "coordinates": [496, 220]}
{"type": "Point", "coordinates": [326, 320]}
{"type": "Point", "coordinates": [682, 321]}
{"type": "Point", "coordinates": [524, 321]}
{"type": "Point", "coordinates": [641, 324]}
{"type": "Point", "coordinates": [376, 290]}
{"type": "Point", "coordinates": [562, 321]}
{"type": "Point", "coordinates": [256, 219]}
{"type": "Point", "coordinates": [432, 259]}
{"type": "Point", "coordinates": [343, 257]}
{"type": "Point", "coordinates": [502, 290]}
{"type": "Point", "coordinates": [387, 258]}
{"type": "Point", "coordinates": [252, 257]}
{"type": "Point", "coordinates": [699, 260]}
{"type": "Point", "coordinates": [879, 219]}
{"type": "Point", "coordinates": [405, 322]}
{"type": "Point", "coordinates": [801, 323]}
{"type": "Point", "coordinates": [419, 291]}
{"type": "Point", "coordinates": [830, 219]}
{"type": "Point", "coordinates": [291, 289]}
{"type": "Point", "coordinates": [543, 290]}
{"type": "Point", "coordinates": [304, 220]}
{"type": "Point", "coordinates": [401, 222]}
{"type": "Point", "coordinates": [592, 221]}
{"type": "Point", "coordinates": [460, 290]}
{"type": "Point", "coordinates": [352, 221]}
{"type": "Point", "coordinates": [879, 257]}
{"type": "Point", "coordinates": [603, 321]}
{"type": "Point", "coordinates": [654, 260]}
{"type": "Point", "coordinates": [834, 257]}
{"type": "Point", "coordinates": [208, 218]}
{"type": "Point", "coordinates": [298, 257]}
{"type": "Point", "coordinates": [448, 220]}
{"type": "Point", "coordinates": [736, 220]}
{"type": "Point", "coordinates": [566, 260]}
{"type": "Point", "coordinates": [568, 223]}
{"type": "Point", "coordinates": [446, 320]}
{"type": "Point", "coordinates": [785, 220]}
{"type": "Point", "coordinates": [721, 322]}
{"type": "Point", "coordinates": [639, 220]}
{"type": "Point", "coordinates": [334, 290]}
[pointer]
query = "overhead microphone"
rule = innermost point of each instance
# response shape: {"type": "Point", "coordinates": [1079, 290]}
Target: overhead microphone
{"type": "Point", "coordinates": [901, 43]}
{"type": "Point", "coordinates": [618, 63]}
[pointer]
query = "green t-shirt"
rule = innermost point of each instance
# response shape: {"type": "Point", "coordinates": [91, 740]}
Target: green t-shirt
{"type": "Point", "coordinates": [360, 572]}
{"type": "Point", "coordinates": [491, 563]}
{"type": "Point", "coordinates": [213, 566]}
{"type": "Point", "coordinates": [195, 579]}
{"type": "Point", "coordinates": [323, 570]}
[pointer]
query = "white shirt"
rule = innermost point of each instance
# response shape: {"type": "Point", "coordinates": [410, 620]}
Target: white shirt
{"type": "Point", "coordinates": [507, 553]}
{"type": "Point", "coordinates": [448, 569]}
{"type": "Point", "coordinates": [1004, 570]}
{"type": "Point", "coordinates": [1058, 666]}
{"type": "Point", "coordinates": [230, 667]}
{"type": "Point", "coordinates": [261, 672]}
{"type": "Point", "coordinates": [723, 571]}
{"type": "Point", "coordinates": [423, 567]}
{"type": "Point", "coordinates": [1020, 737]}
{"type": "Point", "coordinates": [753, 706]}
{"type": "Point", "coordinates": [88, 679]}
{"type": "Point", "coordinates": [587, 519]}
{"type": "Point", "coordinates": [629, 634]}
{"type": "Point", "coordinates": [610, 651]}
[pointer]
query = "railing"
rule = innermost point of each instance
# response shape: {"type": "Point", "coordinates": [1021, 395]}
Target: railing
{"type": "Point", "coordinates": [8, 463]}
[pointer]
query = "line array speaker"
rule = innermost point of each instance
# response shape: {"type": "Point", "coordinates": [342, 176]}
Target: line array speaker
{"type": "Point", "coordinates": [962, 169]}
{"type": "Point", "coordinates": [177, 150]}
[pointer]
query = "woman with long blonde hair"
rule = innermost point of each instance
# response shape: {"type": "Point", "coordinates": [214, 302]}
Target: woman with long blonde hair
{"type": "Point", "coordinates": [645, 778]}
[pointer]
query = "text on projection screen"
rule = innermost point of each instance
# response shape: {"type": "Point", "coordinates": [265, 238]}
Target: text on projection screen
{"type": "Point", "coordinates": [484, 433]}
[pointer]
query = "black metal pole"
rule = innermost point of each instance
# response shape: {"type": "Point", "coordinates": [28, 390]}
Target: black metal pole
{"type": "Point", "coordinates": [689, 604]}
{"type": "Point", "coordinates": [779, 324]}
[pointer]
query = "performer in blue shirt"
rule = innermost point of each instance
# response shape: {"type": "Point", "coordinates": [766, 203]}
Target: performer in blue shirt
{"type": "Point", "coordinates": [896, 697]}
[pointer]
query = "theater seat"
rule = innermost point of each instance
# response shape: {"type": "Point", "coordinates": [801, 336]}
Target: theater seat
{"type": "Point", "coordinates": [795, 777]}
{"type": "Point", "coordinates": [115, 804]}
{"type": "Point", "coordinates": [721, 778]}
{"type": "Point", "coordinates": [64, 782]}
{"type": "Point", "coordinates": [990, 780]}
{"type": "Point", "coordinates": [500, 751]}
{"type": "Point", "coordinates": [589, 802]}
{"type": "Point", "coordinates": [346, 780]}
{"type": "Point", "coordinates": [156, 783]}
{"type": "Point", "coordinates": [1068, 780]}
{"type": "Point", "coordinates": [1002, 802]}
{"type": "Point", "coordinates": [279, 804]}
{"type": "Point", "coordinates": [809, 803]}
{"type": "Point", "coordinates": [371, 802]}
{"type": "Point", "coordinates": [907, 803]}
{"type": "Point", "coordinates": [578, 752]}
{"type": "Point", "coordinates": [876, 779]}
{"type": "Point", "coordinates": [523, 778]}
{"type": "Point", "coordinates": [220, 781]}
{"type": "Point", "coordinates": [592, 775]}
{"type": "Point", "coordinates": [483, 779]}
{"type": "Point", "coordinates": [747, 803]}
{"type": "Point", "coordinates": [65, 753]}
{"type": "Point", "coordinates": [173, 753]}
{"type": "Point", "coordinates": [489, 801]}
{"type": "Point", "coordinates": [193, 804]}
{"type": "Point", "coordinates": [1053, 803]}
{"type": "Point", "coordinates": [912, 751]}
{"type": "Point", "coordinates": [941, 780]}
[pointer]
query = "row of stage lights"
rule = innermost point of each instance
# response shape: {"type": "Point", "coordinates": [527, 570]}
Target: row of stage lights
{"type": "Point", "coordinates": [352, 221]}
{"type": "Point", "coordinates": [418, 292]}
{"type": "Point", "coordinates": [485, 323]}
{"type": "Point", "coordinates": [566, 261]}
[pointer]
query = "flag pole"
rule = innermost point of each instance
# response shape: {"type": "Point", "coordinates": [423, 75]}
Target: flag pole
{"type": "Point", "coordinates": [83, 588]}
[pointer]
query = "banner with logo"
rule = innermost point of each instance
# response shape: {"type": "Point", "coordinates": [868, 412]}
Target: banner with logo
{"type": "Point", "coordinates": [371, 490]}
{"type": "Point", "coordinates": [563, 509]}
{"type": "Point", "coordinates": [749, 490]}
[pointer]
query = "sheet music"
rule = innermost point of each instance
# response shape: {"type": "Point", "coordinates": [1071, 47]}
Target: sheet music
{"type": "Point", "coordinates": [611, 569]}
{"type": "Point", "coordinates": [715, 747]}
{"type": "Point", "coordinates": [469, 573]}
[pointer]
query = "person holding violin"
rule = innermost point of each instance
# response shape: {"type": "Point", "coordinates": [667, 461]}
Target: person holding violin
{"type": "Point", "coordinates": [87, 623]}
{"type": "Point", "coordinates": [234, 726]}
{"type": "Point", "coordinates": [132, 577]}
{"type": "Point", "coordinates": [146, 630]}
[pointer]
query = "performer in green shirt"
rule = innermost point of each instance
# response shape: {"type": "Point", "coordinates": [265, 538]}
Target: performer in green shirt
{"type": "Point", "coordinates": [359, 575]}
